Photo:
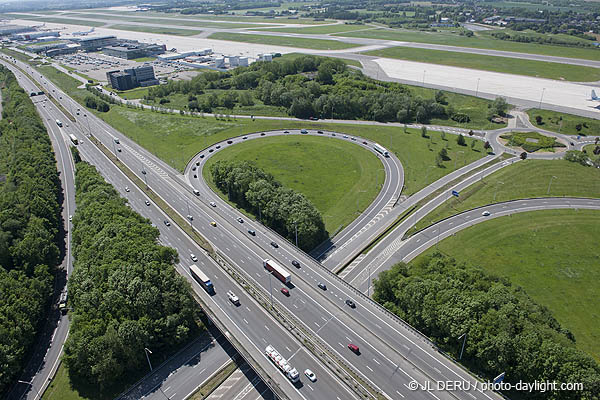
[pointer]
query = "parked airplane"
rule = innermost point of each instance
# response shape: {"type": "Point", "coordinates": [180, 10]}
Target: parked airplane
{"type": "Point", "coordinates": [594, 96]}
{"type": "Point", "coordinates": [84, 33]}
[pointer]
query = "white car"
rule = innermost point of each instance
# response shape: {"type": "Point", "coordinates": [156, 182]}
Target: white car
{"type": "Point", "coordinates": [127, 188]}
{"type": "Point", "coordinates": [212, 203]}
{"type": "Point", "coordinates": [485, 213]}
{"type": "Point", "coordinates": [310, 375]}
{"type": "Point", "coordinates": [70, 218]}
{"type": "Point", "coordinates": [194, 258]}
{"type": "Point", "coordinates": [233, 298]}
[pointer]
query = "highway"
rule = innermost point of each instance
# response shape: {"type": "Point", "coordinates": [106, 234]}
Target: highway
{"type": "Point", "coordinates": [388, 347]}
{"type": "Point", "coordinates": [248, 321]}
{"type": "Point", "coordinates": [44, 361]}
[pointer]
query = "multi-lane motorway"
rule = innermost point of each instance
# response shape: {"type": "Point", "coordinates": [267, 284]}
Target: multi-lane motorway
{"type": "Point", "coordinates": [392, 355]}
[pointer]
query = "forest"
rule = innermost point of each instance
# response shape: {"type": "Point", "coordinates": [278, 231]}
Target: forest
{"type": "Point", "coordinates": [314, 87]}
{"type": "Point", "coordinates": [506, 331]}
{"type": "Point", "coordinates": [280, 208]}
{"type": "Point", "coordinates": [30, 218]}
{"type": "Point", "coordinates": [124, 292]}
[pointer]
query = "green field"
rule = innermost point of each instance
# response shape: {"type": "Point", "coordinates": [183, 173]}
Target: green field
{"type": "Point", "coordinates": [317, 44]}
{"type": "Point", "coordinates": [324, 29]}
{"type": "Point", "coordinates": [58, 20]}
{"type": "Point", "coordinates": [64, 81]}
{"type": "Point", "coordinates": [531, 141]}
{"type": "Point", "coordinates": [156, 29]}
{"type": "Point", "coordinates": [175, 139]}
{"type": "Point", "coordinates": [524, 179]}
{"type": "Point", "coordinates": [541, 69]}
{"type": "Point", "coordinates": [565, 123]}
{"type": "Point", "coordinates": [336, 176]}
{"type": "Point", "coordinates": [60, 389]}
{"type": "Point", "coordinates": [217, 18]}
{"type": "Point", "coordinates": [479, 42]}
{"type": "Point", "coordinates": [552, 254]}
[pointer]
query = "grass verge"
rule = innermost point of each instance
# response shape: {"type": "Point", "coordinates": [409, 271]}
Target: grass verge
{"type": "Point", "coordinates": [564, 123]}
{"type": "Point", "coordinates": [525, 179]}
{"type": "Point", "coordinates": [478, 41]}
{"type": "Point", "coordinates": [214, 382]}
{"type": "Point", "coordinates": [320, 30]}
{"type": "Point", "coordinates": [157, 29]}
{"type": "Point", "coordinates": [336, 176]}
{"type": "Point", "coordinates": [507, 65]}
{"type": "Point", "coordinates": [303, 43]}
{"type": "Point", "coordinates": [552, 254]}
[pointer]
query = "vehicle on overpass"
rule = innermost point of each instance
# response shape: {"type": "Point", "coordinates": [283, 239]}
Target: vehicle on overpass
{"type": "Point", "coordinates": [282, 364]}
{"type": "Point", "coordinates": [281, 273]}
{"type": "Point", "coordinates": [202, 279]}
{"type": "Point", "coordinates": [381, 150]}
{"type": "Point", "coordinates": [73, 139]}
{"type": "Point", "coordinates": [59, 123]}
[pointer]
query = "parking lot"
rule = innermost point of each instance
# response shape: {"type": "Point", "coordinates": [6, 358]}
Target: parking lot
{"type": "Point", "coordinates": [96, 65]}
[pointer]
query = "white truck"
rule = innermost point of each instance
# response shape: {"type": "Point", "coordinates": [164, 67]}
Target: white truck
{"type": "Point", "coordinates": [282, 364]}
{"type": "Point", "coordinates": [233, 298]}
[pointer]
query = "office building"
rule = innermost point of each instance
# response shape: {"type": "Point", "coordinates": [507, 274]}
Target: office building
{"type": "Point", "coordinates": [131, 50]}
{"type": "Point", "coordinates": [96, 43]}
{"type": "Point", "coordinates": [132, 78]}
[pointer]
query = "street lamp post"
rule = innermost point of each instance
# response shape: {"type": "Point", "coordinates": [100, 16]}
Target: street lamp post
{"type": "Point", "coordinates": [464, 338]}
{"type": "Point", "coordinates": [424, 77]}
{"type": "Point", "coordinates": [369, 283]}
{"type": "Point", "coordinates": [541, 98]}
{"type": "Point", "coordinates": [146, 351]}
{"type": "Point", "coordinates": [37, 392]}
{"type": "Point", "coordinates": [550, 183]}
{"type": "Point", "coordinates": [477, 90]}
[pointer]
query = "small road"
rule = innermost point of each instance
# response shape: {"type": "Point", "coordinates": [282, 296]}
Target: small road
{"type": "Point", "coordinates": [425, 239]}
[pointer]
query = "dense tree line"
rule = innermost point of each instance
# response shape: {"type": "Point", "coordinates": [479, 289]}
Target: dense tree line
{"type": "Point", "coordinates": [310, 86]}
{"type": "Point", "coordinates": [124, 291]}
{"type": "Point", "coordinates": [29, 226]}
{"type": "Point", "coordinates": [506, 330]}
{"type": "Point", "coordinates": [280, 208]}
{"type": "Point", "coordinates": [554, 40]}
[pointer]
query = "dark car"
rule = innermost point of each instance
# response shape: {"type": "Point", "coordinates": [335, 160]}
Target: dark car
{"type": "Point", "coordinates": [218, 146]}
{"type": "Point", "coordinates": [167, 223]}
{"type": "Point", "coordinates": [262, 134]}
{"type": "Point", "coordinates": [252, 232]}
{"type": "Point", "coordinates": [201, 156]}
{"type": "Point", "coordinates": [274, 244]}
{"type": "Point", "coordinates": [322, 286]}
{"type": "Point", "coordinates": [321, 132]}
{"type": "Point", "coordinates": [286, 131]}
{"type": "Point", "coordinates": [365, 142]}
{"type": "Point", "coordinates": [193, 168]}
{"type": "Point", "coordinates": [350, 303]}
{"type": "Point", "coordinates": [313, 118]}
{"type": "Point", "coordinates": [295, 263]}
{"type": "Point", "coordinates": [245, 137]}
{"type": "Point", "coordinates": [229, 141]}
{"type": "Point", "coordinates": [198, 162]}
{"type": "Point", "coordinates": [210, 150]}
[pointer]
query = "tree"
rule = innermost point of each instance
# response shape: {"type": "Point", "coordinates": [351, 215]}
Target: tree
{"type": "Point", "coordinates": [523, 155]}
{"type": "Point", "coordinates": [424, 131]}
{"type": "Point", "coordinates": [443, 134]}
{"type": "Point", "coordinates": [577, 157]}
{"type": "Point", "coordinates": [538, 119]}
{"type": "Point", "coordinates": [439, 161]}
{"type": "Point", "coordinates": [487, 145]}
{"type": "Point", "coordinates": [440, 97]}
{"type": "Point", "coordinates": [499, 106]}
{"type": "Point", "coordinates": [443, 154]}
{"type": "Point", "coordinates": [460, 140]}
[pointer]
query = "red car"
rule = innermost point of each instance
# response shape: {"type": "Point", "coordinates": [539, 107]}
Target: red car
{"type": "Point", "coordinates": [353, 348]}
{"type": "Point", "coordinates": [285, 291]}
